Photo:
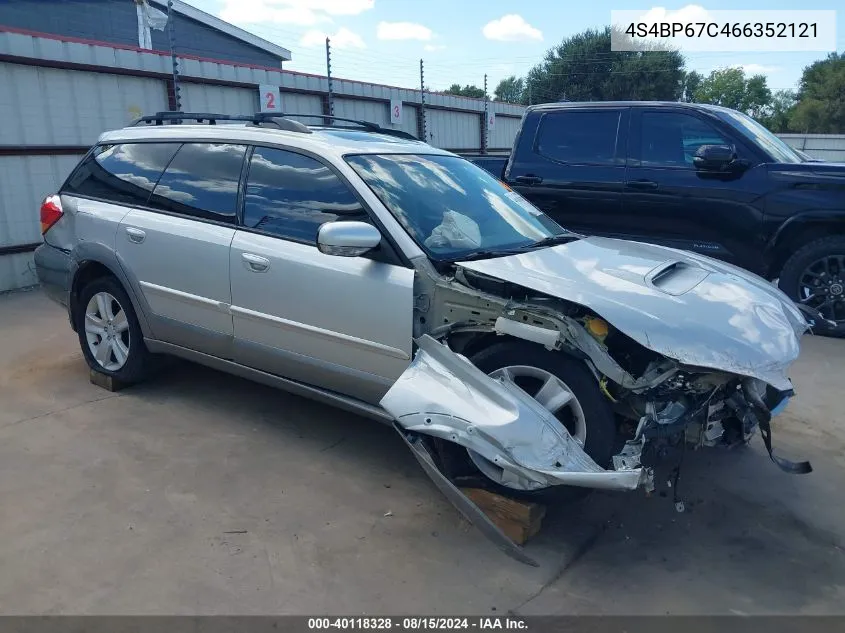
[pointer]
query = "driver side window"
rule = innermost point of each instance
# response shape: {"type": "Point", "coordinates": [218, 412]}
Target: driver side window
{"type": "Point", "coordinates": [290, 195]}
{"type": "Point", "coordinates": [670, 139]}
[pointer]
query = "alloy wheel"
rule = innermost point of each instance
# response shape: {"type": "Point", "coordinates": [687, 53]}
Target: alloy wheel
{"type": "Point", "coordinates": [554, 395]}
{"type": "Point", "coordinates": [107, 331]}
{"type": "Point", "coordinates": [822, 286]}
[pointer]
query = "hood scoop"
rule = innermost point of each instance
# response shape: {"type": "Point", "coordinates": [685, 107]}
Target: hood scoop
{"type": "Point", "coordinates": [676, 277]}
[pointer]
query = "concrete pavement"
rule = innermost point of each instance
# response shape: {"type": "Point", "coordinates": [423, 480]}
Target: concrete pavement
{"type": "Point", "coordinates": [201, 493]}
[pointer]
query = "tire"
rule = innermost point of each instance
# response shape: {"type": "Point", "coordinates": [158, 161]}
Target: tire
{"type": "Point", "coordinates": [136, 358]}
{"type": "Point", "coordinates": [598, 419]}
{"type": "Point", "coordinates": [822, 260]}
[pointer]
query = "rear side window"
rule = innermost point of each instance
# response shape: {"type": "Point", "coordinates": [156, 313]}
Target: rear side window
{"type": "Point", "coordinates": [202, 181]}
{"type": "Point", "coordinates": [124, 174]}
{"type": "Point", "coordinates": [580, 136]}
{"type": "Point", "coordinates": [291, 195]}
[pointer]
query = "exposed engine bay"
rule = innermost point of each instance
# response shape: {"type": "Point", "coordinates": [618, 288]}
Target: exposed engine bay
{"type": "Point", "coordinates": [662, 406]}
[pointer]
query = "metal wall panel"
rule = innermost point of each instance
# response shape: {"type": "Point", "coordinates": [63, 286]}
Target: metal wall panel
{"type": "Point", "coordinates": [504, 132]}
{"type": "Point", "coordinates": [48, 106]}
{"type": "Point", "coordinates": [829, 147]}
{"type": "Point", "coordinates": [198, 97]}
{"type": "Point", "coordinates": [24, 181]}
{"type": "Point", "coordinates": [303, 104]}
{"type": "Point", "coordinates": [17, 271]}
{"type": "Point", "coordinates": [454, 130]}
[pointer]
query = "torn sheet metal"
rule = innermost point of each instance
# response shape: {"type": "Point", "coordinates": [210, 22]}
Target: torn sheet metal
{"type": "Point", "coordinates": [472, 512]}
{"type": "Point", "coordinates": [658, 296]}
{"type": "Point", "coordinates": [443, 395]}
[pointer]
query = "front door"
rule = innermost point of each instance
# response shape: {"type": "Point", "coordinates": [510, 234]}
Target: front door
{"type": "Point", "coordinates": [670, 202]}
{"type": "Point", "coordinates": [340, 323]}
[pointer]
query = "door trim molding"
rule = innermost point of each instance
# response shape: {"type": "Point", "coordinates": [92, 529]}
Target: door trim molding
{"type": "Point", "coordinates": [187, 297]}
{"type": "Point", "coordinates": [370, 346]}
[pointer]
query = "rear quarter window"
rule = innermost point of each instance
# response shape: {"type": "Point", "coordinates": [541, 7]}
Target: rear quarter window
{"type": "Point", "coordinates": [122, 173]}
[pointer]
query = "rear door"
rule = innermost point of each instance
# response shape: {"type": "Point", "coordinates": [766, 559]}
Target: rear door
{"type": "Point", "coordinates": [571, 164]}
{"type": "Point", "coordinates": [670, 202]}
{"type": "Point", "coordinates": [177, 247]}
{"type": "Point", "coordinates": [340, 323]}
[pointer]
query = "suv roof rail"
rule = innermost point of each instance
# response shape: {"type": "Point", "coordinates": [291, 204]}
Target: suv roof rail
{"type": "Point", "coordinates": [280, 121]}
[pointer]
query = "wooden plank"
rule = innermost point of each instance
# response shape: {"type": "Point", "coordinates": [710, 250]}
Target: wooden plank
{"type": "Point", "coordinates": [109, 383]}
{"type": "Point", "coordinates": [515, 510]}
{"type": "Point", "coordinates": [517, 532]}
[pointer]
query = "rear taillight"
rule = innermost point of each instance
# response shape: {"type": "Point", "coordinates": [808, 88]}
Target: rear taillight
{"type": "Point", "coordinates": [51, 211]}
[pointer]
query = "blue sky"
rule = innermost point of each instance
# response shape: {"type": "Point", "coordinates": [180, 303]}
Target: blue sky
{"type": "Point", "coordinates": [460, 40]}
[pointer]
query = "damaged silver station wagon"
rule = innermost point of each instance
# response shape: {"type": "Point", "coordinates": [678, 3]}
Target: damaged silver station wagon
{"type": "Point", "coordinates": [359, 266]}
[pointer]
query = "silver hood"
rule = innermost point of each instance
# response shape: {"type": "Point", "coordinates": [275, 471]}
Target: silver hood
{"type": "Point", "coordinates": [691, 308]}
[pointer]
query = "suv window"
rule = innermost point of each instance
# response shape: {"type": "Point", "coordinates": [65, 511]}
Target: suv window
{"type": "Point", "coordinates": [121, 173]}
{"type": "Point", "coordinates": [579, 136]}
{"type": "Point", "coordinates": [202, 181]}
{"type": "Point", "coordinates": [670, 139]}
{"type": "Point", "coordinates": [291, 195]}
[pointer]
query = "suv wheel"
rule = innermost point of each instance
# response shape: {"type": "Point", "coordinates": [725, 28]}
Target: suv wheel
{"type": "Point", "coordinates": [109, 333]}
{"type": "Point", "coordinates": [815, 275]}
{"type": "Point", "coordinates": [564, 386]}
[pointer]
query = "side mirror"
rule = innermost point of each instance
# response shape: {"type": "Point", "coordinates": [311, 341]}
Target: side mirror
{"type": "Point", "coordinates": [347, 239]}
{"type": "Point", "coordinates": [714, 157]}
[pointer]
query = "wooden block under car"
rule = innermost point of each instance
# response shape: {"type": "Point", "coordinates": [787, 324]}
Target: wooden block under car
{"type": "Point", "coordinates": [108, 383]}
{"type": "Point", "coordinates": [519, 520]}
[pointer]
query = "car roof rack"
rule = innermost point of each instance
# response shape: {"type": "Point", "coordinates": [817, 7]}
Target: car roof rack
{"type": "Point", "coordinates": [280, 121]}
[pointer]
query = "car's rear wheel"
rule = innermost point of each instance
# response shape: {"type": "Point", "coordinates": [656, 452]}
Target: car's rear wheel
{"type": "Point", "coordinates": [109, 333]}
{"type": "Point", "coordinates": [562, 385]}
{"type": "Point", "coordinates": [815, 276]}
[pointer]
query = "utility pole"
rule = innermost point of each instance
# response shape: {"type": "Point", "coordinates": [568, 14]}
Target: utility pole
{"type": "Point", "coordinates": [422, 127]}
{"type": "Point", "coordinates": [177, 97]}
{"type": "Point", "coordinates": [330, 103]}
{"type": "Point", "coordinates": [485, 125]}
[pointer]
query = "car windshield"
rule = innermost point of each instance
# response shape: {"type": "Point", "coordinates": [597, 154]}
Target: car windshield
{"type": "Point", "coordinates": [779, 150]}
{"type": "Point", "coordinates": [451, 207]}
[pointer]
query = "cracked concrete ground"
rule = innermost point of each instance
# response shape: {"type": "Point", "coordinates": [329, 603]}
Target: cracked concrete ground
{"type": "Point", "coordinates": [201, 493]}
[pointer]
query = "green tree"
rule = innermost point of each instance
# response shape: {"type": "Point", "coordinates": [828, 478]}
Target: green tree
{"type": "Point", "coordinates": [821, 97]}
{"type": "Point", "coordinates": [692, 80]}
{"type": "Point", "coordinates": [466, 91]}
{"type": "Point", "coordinates": [779, 113]}
{"type": "Point", "coordinates": [510, 90]}
{"type": "Point", "coordinates": [583, 68]}
{"type": "Point", "coordinates": [729, 87]}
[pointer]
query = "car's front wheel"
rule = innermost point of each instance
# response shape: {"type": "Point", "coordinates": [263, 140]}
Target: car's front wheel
{"type": "Point", "coordinates": [815, 275]}
{"type": "Point", "coordinates": [562, 385]}
{"type": "Point", "coordinates": [109, 333]}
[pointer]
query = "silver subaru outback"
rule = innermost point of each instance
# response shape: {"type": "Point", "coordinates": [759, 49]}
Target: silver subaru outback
{"type": "Point", "coordinates": [359, 266]}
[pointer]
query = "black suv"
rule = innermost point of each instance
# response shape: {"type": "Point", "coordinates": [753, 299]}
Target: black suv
{"type": "Point", "coordinates": [697, 177]}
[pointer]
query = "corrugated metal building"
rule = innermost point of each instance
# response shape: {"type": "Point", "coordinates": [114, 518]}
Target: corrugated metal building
{"type": "Point", "coordinates": [830, 147]}
{"type": "Point", "coordinates": [60, 91]}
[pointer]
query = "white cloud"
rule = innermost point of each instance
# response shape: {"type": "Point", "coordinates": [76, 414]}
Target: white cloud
{"type": "Point", "coordinates": [344, 38]}
{"type": "Point", "coordinates": [434, 47]}
{"type": "Point", "coordinates": [757, 69]}
{"type": "Point", "coordinates": [684, 15]}
{"type": "Point", "coordinates": [293, 12]}
{"type": "Point", "coordinates": [511, 28]}
{"type": "Point", "coordinates": [403, 31]}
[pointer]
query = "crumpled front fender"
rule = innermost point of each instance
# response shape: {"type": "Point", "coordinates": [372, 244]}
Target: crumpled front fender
{"type": "Point", "coordinates": [443, 395]}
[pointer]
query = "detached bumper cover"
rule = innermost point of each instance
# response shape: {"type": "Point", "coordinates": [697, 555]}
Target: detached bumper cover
{"type": "Point", "coordinates": [443, 395]}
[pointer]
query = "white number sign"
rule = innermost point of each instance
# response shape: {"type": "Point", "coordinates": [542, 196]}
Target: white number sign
{"type": "Point", "coordinates": [269, 98]}
{"type": "Point", "coordinates": [396, 111]}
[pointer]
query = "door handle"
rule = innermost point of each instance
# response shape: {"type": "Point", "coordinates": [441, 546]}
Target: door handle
{"type": "Point", "coordinates": [135, 236]}
{"type": "Point", "coordinates": [641, 184]}
{"type": "Point", "coordinates": [528, 180]}
{"type": "Point", "coordinates": [255, 263]}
